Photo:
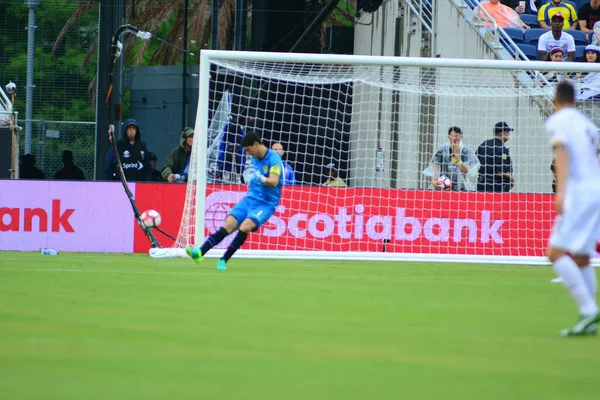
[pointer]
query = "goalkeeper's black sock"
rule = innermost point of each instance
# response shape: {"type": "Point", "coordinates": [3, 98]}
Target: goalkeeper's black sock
{"type": "Point", "coordinates": [235, 245]}
{"type": "Point", "coordinates": [214, 240]}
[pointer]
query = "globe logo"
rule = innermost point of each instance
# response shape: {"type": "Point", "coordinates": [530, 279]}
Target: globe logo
{"type": "Point", "coordinates": [218, 205]}
{"type": "Point", "coordinates": [215, 216]}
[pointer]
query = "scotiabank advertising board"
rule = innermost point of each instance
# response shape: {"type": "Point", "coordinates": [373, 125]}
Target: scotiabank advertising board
{"type": "Point", "coordinates": [65, 216]}
{"type": "Point", "coordinates": [366, 219]}
{"type": "Point", "coordinates": [97, 217]}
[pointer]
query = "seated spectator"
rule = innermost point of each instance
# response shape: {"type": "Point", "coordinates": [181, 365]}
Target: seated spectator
{"type": "Point", "coordinates": [529, 7]}
{"type": "Point", "coordinates": [70, 171]}
{"type": "Point", "coordinates": [178, 160]}
{"type": "Point", "coordinates": [454, 161]}
{"type": "Point", "coordinates": [504, 16]}
{"type": "Point", "coordinates": [549, 10]}
{"type": "Point", "coordinates": [28, 170]}
{"type": "Point", "coordinates": [589, 82]}
{"type": "Point", "coordinates": [156, 176]}
{"type": "Point", "coordinates": [334, 179]}
{"type": "Point", "coordinates": [556, 55]}
{"type": "Point", "coordinates": [556, 38]}
{"type": "Point", "coordinates": [289, 178]}
{"type": "Point", "coordinates": [588, 15]}
{"type": "Point", "coordinates": [592, 54]}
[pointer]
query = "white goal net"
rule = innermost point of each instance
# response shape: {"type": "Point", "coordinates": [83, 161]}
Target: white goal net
{"type": "Point", "coordinates": [367, 139]}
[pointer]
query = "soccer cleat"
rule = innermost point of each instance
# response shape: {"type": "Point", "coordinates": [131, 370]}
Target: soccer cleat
{"type": "Point", "coordinates": [592, 329]}
{"type": "Point", "coordinates": [222, 265]}
{"type": "Point", "coordinates": [194, 253]}
{"type": "Point", "coordinates": [557, 280]}
{"type": "Point", "coordinates": [586, 325]}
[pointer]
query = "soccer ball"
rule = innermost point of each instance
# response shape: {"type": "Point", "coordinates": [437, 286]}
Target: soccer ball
{"type": "Point", "coordinates": [150, 219]}
{"type": "Point", "coordinates": [444, 182]}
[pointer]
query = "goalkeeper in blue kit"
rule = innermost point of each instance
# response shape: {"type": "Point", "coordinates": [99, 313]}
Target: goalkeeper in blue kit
{"type": "Point", "coordinates": [264, 192]}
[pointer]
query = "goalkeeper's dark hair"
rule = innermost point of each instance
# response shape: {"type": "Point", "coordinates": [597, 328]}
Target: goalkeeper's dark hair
{"type": "Point", "coordinates": [454, 129]}
{"type": "Point", "coordinates": [250, 138]}
{"type": "Point", "coordinates": [565, 93]}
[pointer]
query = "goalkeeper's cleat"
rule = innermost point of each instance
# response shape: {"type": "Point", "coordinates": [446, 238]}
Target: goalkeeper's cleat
{"type": "Point", "coordinates": [194, 253]}
{"type": "Point", "coordinates": [586, 325]}
{"type": "Point", "coordinates": [222, 265]}
{"type": "Point", "coordinates": [557, 280]}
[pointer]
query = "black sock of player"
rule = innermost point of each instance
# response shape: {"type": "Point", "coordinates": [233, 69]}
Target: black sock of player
{"type": "Point", "coordinates": [213, 240]}
{"type": "Point", "coordinates": [235, 245]}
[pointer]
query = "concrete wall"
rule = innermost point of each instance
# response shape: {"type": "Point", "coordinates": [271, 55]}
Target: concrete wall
{"type": "Point", "coordinates": [156, 102]}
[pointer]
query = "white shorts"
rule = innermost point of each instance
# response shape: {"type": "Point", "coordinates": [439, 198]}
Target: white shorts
{"type": "Point", "coordinates": [577, 229]}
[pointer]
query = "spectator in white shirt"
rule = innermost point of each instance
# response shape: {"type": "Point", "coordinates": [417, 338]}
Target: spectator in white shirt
{"type": "Point", "coordinates": [556, 38]}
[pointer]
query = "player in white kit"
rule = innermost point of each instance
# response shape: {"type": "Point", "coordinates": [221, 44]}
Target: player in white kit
{"type": "Point", "coordinates": [575, 140]}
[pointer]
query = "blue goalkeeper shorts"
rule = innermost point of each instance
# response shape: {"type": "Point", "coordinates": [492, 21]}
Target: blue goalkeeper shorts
{"type": "Point", "coordinates": [258, 211]}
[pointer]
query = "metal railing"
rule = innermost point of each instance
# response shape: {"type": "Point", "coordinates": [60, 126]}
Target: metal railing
{"type": "Point", "coordinates": [500, 39]}
{"type": "Point", "coordinates": [424, 10]}
{"type": "Point", "coordinates": [477, 21]}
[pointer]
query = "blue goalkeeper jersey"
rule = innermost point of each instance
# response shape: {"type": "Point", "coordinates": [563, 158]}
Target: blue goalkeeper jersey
{"type": "Point", "coordinates": [271, 162]}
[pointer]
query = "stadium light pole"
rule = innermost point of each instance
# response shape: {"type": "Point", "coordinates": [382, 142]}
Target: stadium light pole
{"type": "Point", "coordinates": [31, 4]}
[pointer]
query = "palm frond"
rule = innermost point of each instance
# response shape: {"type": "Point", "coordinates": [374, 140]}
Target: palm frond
{"type": "Point", "coordinates": [206, 33]}
{"type": "Point", "coordinates": [152, 16]}
{"type": "Point", "coordinates": [164, 54]}
{"type": "Point", "coordinates": [92, 51]}
{"type": "Point", "coordinates": [342, 15]}
{"type": "Point", "coordinates": [198, 23]}
{"type": "Point", "coordinates": [139, 56]}
{"type": "Point", "coordinates": [79, 12]}
{"type": "Point", "coordinates": [226, 26]}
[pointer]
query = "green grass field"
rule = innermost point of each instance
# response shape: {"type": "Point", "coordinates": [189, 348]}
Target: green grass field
{"type": "Point", "coordinates": [91, 326]}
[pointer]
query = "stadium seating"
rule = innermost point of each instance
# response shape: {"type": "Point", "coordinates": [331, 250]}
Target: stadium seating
{"type": "Point", "coordinates": [579, 52]}
{"type": "Point", "coordinates": [515, 34]}
{"type": "Point", "coordinates": [529, 50]}
{"type": "Point", "coordinates": [579, 36]}
{"type": "Point", "coordinates": [532, 36]}
{"type": "Point", "coordinates": [590, 37]}
{"type": "Point", "coordinates": [530, 19]}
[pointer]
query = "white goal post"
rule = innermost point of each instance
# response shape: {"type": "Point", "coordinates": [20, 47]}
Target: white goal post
{"type": "Point", "coordinates": [380, 121]}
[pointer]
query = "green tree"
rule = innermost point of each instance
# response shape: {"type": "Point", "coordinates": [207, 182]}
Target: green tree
{"type": "Point", "coordinates": [62, 80]}
{"type": "Point", "coordinates": [61, 83]}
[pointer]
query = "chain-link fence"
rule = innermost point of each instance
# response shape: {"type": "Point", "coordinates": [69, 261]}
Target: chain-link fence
{"type": "Point", "coordinates": [51, 138]}
{"type": "Point", "coordinates": [48, 48]}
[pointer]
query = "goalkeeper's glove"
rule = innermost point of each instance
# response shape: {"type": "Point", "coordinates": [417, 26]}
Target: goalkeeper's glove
{"type": "Point", "coordinates": [259, 176]}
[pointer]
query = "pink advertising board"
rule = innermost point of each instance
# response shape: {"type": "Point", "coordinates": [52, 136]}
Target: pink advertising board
{"type": "Point", "coordinates": [65, 216]}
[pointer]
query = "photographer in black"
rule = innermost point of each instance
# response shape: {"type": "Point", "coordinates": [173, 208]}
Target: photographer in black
{"type": "Point", "coordinates": [133, 154]}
